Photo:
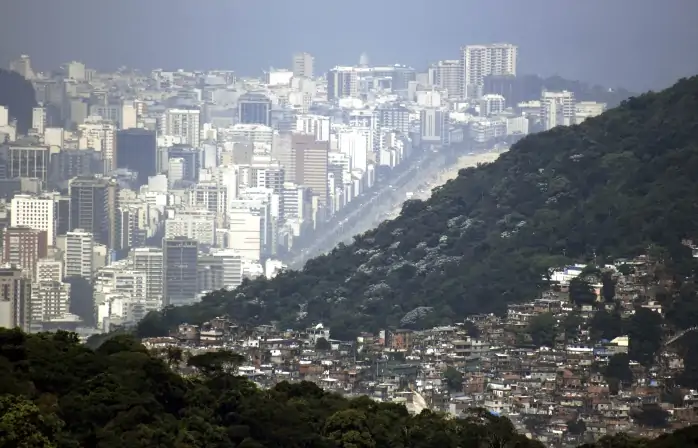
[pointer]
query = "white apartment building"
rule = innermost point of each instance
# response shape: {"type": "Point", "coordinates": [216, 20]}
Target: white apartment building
{"type": "Point", "coordinates": [39, 119]}
{"type": "Point", "coordinates": [355, 142]}
{"type": "Point", "coordinates": [99, 135]}
{"type": "Point", "coordinates": [588, 109]}
{"type": "Point", "coordinates": [78, 257]}
{"type": "Point", "coordinates": [248, 133]}
{"type": "Point", "coordinates": [448, 75]}
{"type": "Point", "coordinates": [316, 125]}
{"type": "Point", "coordinates": [183, 123]}
{"type": "Point", "coordinates": [247, 225]}
{"type": "Point", "coordinates": [199, 225]}
{"type": "Point", "coordinates": [49, 300]}
{"type": "Point", "coordinates": [4, 116]}
{"type": "Point", "coordinates": [492, 104]}
{"type": "Point", "coordinates": [48, 270]}
{"type": "Point", "coordinates": [232, 263]}
{"type": "Point", "coordinates": [35, 212]}
{"type": "Point", "coordinates": [478, 61]}
{"type": "Point", "coordinates": [557, 109]}
{"type": "Point", "coordinates": [149, 262]}
{"type": "Point", "coordinates": [303, 65]}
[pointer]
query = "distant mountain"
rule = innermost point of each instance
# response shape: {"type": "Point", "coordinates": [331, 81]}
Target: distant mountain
{"type": "Point", "coordinates": [17, 94]}
{"type": "Point", "coordinates": [606, 188]}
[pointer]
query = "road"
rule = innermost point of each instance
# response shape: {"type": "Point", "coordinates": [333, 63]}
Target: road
{"type": "Point", "coordinates": [425, 173]}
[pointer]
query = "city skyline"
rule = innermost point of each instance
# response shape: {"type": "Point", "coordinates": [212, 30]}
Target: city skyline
{"type": "Point", "coordinates": [585, 39]}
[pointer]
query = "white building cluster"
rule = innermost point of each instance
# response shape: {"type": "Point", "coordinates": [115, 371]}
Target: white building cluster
{"type": "Point", "coordinates": [156, 188]}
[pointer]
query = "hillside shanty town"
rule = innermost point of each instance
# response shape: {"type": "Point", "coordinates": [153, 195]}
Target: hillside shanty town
{"type": "Point", "coordinates": [556, 365]}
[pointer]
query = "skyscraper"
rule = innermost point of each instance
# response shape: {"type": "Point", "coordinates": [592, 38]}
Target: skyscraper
{"type": "Point", "coordinates": [93, 207]}
{"type": "Point", "coordinates": [254, 108]}
{"type": "Point", "coordinates": [479, 61]}
{"type": "Point", "coordinates": [342, 82]}
{"type": "Point", "coordinates": [180, 262]}
{"type": "Point", "coordinates": [557, 109]}
{"type": "Point", "coordinates": [136, 150]}
{"type": "Point", "coordinates": [303, 65]}
{"type": "Point", "coordinates": [311, 164]}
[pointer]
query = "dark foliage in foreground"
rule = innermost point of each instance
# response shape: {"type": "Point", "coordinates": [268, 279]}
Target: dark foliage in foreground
{"type": "Point", "coordinates": [55, 392]}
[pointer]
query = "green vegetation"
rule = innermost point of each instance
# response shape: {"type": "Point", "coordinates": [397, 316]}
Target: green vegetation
{"type": "Point", "coordinates": [17, 94]}
{"type": "Point", "coordinates": [610, 187]}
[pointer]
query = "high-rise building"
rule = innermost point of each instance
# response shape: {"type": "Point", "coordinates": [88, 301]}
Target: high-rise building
{"type": "Point", "coordinates": [449, 75]}
{"type": "Point", "coordinates": [39, 119]}
{"type": "Point", "coordinates": [35, 212]}
{"type": "Point", "coordinates": [254, 108]}
{"type": "Point", "coordinates": [136, 150]}
{"type": "Point", "coordinates": [23, 247]}
{"type": "Point", "coordinates": [100, 135]}
{"type": "Point", "coordinates": [557, 109]}
{"type": "Point", "coordinates": [93, 208]}
{"type": "Point", "coordinates": [15, 298]}
{"type": "Point", "coordinates": [78, 258]}
{"type": "Point", "coordinates": [311, 164]}
{"type": "Point", "coordinates": [433, 126]}
{"type": "Point", "coordinates": [23, 66]}
{"type": "Point", "coordinates": [48, 270]}
{"type": "Point", "coordinates": [49, 300]}
{"type": "Point", "coordinates": [28, 161]}
{"type": "Point", "coordinates": [149, 261]}
{"type": "Point", "coordinates": [180, 261]}
{"type": "Point", "coordinates": [342, 82]}
{"type": "Point", "coordinates": [182, 123]}
{"type": "Point", "coordinates": [479, 61]}
{"type": "Point", "coordinates": [303, 65]}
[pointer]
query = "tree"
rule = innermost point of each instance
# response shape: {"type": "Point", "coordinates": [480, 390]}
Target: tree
{"type": "Point", "coordinates": [605, 325]}
{"type": "Point", "coordinates": [349, 429]}
{"type": "Point", "coordinates": [323, 345]}
{"type": "Point", "coordinates": [571, 324]}
{"type": "Point", "coordinates": [22, 424]}
{"type": "Point", "coordinates": [608, 286]}
{"type": "Point", "coordinates": [619, 368]}
{"type": "Point", "coordinates": [542, 330]}
{"type": "Point", "coordinates": [576, 427]}
{"type": "Point", "coordinates": [216, 363]}
{"type": "Point", "coordinates": [454, 379]}
{"type": "Point", "coordinates": [644, 335]}
{"type": "Point", "coordinates": [651, 415]}
{"type": "Point", "coordinates": [581, 292]}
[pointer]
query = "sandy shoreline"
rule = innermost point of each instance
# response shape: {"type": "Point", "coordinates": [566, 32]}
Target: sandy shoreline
{"type": "Point", "coordinates": [452, 172]}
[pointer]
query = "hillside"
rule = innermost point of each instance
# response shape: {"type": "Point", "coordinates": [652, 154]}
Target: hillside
{"type": "Point", "coordinates": [606, 188]}
{"type": "Point", "coordinates": [17, 94]}
{"type": "Point", "coordinates": [57, 393]}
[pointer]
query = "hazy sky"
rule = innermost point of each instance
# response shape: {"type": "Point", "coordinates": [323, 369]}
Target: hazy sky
{"type": "Point", "coordinates": [637, 44]}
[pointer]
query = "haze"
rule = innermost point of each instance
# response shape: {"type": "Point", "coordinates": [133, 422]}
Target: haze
{"type": "Point", "coordinates": [637, 44]}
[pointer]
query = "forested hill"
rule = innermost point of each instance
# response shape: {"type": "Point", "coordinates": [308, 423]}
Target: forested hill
{"type": "Point", "coordinates": [606, 188]}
